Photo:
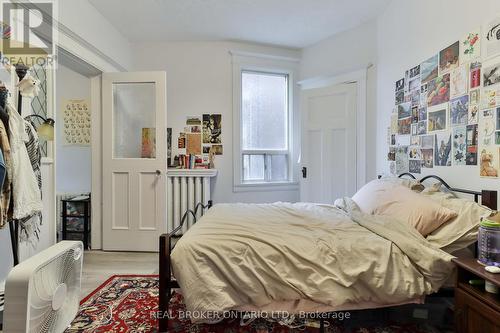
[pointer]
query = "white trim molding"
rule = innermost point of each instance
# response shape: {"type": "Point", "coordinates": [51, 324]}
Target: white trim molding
{"type": "Point", "coordinates": [248, 61]}
{"type": "Point", "coordinates": [358, 77]}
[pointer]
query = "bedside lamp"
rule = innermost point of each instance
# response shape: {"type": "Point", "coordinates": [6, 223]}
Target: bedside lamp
{"type": "Point", "coordinates": [46, 129]}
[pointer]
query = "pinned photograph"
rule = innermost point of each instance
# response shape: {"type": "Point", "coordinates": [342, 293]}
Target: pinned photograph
{"type": "Point", "coordinates": [414, 153]}
{"type": "Point", "coordinates": [473, 114]}
{"type": "Point", "coordinates": [487, 127]}
{"type": "Point", "coordinates": [423, 94]}
{"type": "Point", "coordinates": [491, 72]}
{"type": "Point", "coordinates": [437, 118]}
{"type": "Point", "coordinates": [414, 84]}
{"type": "Point", "coordinates": [475, 75]}
{"type": "Point", "coordinates": [414, 114]}
{"type": "Point", "coordinates": [448, 58]}
{"type": "Point", "coordinates": [414, 140]}
{"type": "Point", "coordinates": [206, 149]}
{"type": "Point", "coordinates": [470, 46]}
{"type": "Point", "coordinates": [427, 158]}
{"type": "Point", "coordinates": [414, 129]}
{"type": "Point", "coordinates": [394, 123]}
{"type": "Point", "coordinates": [489, 162]}
{"type": "Point", "coordinates": [402, 159]}
{"type": "Point", "coordinates": [438, 90]}
{"type": "Point", "coordinates": [459, 109]}
{"type": "Point", "coordinates": [181, 142]}
{"type": "Point", "coordinates": [400, 97]}
{"type": "Point", "coordinates": [422, 113]}
{"type": "Point", "coordinates": [472, 140]}
{"type": "Point", "coordinates": [427, 141]}
{"type": "Point", "coordinates": [491, 31]}
{"type": "Point", "coordinates": [404, 126]}
{"type": "Point", "coordinates": [422, 127]}
{"type": "Point", "coordinates": [391, 155]}
{"type": "Point", "coordinates": [414, 72]}
{"type": "Point", "coordinates": [458, 81]}
{"type": "Point", "coordinates": [404, 110]}
{"type": "Point", "coordinates": [429, 69]}
{"type": "Point", "coordinates": [490, 97]}
{"type": "Point", "coordinates": [459, 146]}
{"type": "Point", "coordinates": [212, 128]}
{"type": "Point", "coordinates": [415, 97]}
{"type": "Point", "coordinates": [442, 149]}
{"type": "Point", "coordinates": [217, 149]}
{"type": "Point", "coordinates": [400, 84]}
{"type": "Point", "coordinates": [415, 166]}
{"type": "Point", "coordinates": [193, 120]}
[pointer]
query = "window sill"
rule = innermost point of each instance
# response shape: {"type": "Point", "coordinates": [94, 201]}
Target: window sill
{"type": "Point", "coordinates": [260, 187]}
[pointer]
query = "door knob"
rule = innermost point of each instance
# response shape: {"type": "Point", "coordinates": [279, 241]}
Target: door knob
{"type": "Point", "coordinates": [158, 173]}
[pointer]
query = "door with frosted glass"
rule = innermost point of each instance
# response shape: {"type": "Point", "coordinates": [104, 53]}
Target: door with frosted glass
{"type": "Point", "coordinates": [134, 160]}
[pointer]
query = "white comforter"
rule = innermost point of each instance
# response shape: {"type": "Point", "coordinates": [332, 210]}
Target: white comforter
{"type": "Point", "coordinates": [241, 256]}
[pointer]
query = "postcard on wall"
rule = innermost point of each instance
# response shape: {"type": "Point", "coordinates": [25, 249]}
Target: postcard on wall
{"type": "Point", "coordinates": [193, 143]}
{"type": "Point", "coordinates": [414, 153]}
{"type": "Point", "coordinates": [491, 40]}
{"type": "Point", "coordinates": [414, 129]}
{"type": "Point", "coordinates": [427, 141]}
{"type": "Point", "coordinates": [491, 72]}
{"type": "Point", "coordinates": [404, 126]}
{"type": "Point", "coordinates": [487, 127]}
{"type": "Point", "coordinates": [404, 110]}
{"type": "Point", "coordinates": [414, 114]}
{"type": "Point", "coordinates": [490, 97]}
{"type": "Point", "coordinates": [217, 149]}
{"type": "Point", "coordinates": [475, 75]}
{"type": "Point", "coordinates": [470, 46]}
{"type": "Point", "coordinates": [400, 97]}
{"type": "Point", "coordinates": [472, 139]}
{"type": "Point", "coordinates": [407, 82]}
{"type": "Point", "coordinates": [437, 118]}
{"type": "Point", "coordinates": [414, 84]}
{"type": "Point", "coordinates": [438, 90]}
{"type": "Point", "coordinates": [415, 97]}
{"type": "Point", "coordinates": [422, 127]}
{"type": "Point", "coordinates": [77, 127]}
{"type": "Point", "coordinates": [442, 149]}
{"type": "Point", "coordinates": [429, 69]}
{"type": "Point", "coordinates": [181, 141]}
{"type": "Point", "coordinates": [458, 81]}
{"type": "Point", "coordinates": [402, 159]}
{"type": "Point", "coordinates": [415, 71]}
{"type": "Point", "coordinates": [459, 145]}
{"type": "Point", "coordinates": [391, 155]}
{"type": "Point", "coordinates": [400, 84]}
{"type": "Point", "coordinates": [422, 113]}
{"type": "Point", "coordinates": [403, 140]}
{"type": "Point", "coordinates": [394, 123]}
{"type": "Point", "coordinates": [212, 128]}
{"type": "Point", "coordinates": [423, 94]}
{"type": "Point", "coordinates": [459, 109]}
{"type": "Point", "coordinates": [448, 58]}
{"type": "Point", "coordinates": [427, 158]}
{"type": "Point", "coordinates": [414, 140]}
{"type": "Point", "coordinates": [489, 164]}
{"type": "Point", "coordinates": [415, 166]}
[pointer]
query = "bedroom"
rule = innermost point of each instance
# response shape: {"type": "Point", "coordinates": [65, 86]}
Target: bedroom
{"type": "Point", "coordinates": [321, 80]}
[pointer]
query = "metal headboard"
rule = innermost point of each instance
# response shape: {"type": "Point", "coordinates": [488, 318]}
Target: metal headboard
{"type": "Point", "coordinates": [488, 198]}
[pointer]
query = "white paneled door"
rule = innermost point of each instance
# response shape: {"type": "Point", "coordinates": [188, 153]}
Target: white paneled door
{"type": "Point", "coordinates": [328, 143]}
{"type": "Point", "coordinates": [134, 160]}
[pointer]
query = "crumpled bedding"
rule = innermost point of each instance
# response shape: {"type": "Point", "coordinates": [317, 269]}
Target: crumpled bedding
{"type": "Point", "coordinates": [250, 256]}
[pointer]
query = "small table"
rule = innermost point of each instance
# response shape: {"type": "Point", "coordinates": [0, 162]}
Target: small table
{"type": "Point", "coordinates": [475, 309]}
{"type": "Point", "coordinates": [76, 220]}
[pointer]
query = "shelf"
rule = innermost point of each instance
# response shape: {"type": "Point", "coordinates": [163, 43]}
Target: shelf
{"type": "Point", "coordinates": [191, 172]}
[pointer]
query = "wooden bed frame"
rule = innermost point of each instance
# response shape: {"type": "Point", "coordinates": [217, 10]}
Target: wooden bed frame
{"type": "Point", "coordinates": [167, 283]}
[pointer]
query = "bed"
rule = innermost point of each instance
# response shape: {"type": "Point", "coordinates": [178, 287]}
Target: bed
{"type": "Point", "coordinates": [301, 258]}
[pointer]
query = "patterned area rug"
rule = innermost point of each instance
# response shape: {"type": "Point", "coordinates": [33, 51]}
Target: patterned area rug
{"type": "Point", "coordinates": [129, 304]}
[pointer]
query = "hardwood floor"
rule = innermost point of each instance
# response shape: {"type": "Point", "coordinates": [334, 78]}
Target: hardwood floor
{"type": "Point", "coordinates": [98, 266]}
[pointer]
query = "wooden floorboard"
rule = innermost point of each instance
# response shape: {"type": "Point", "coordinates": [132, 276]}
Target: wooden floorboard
{"type": "Point", "coordinates": [98, 266]}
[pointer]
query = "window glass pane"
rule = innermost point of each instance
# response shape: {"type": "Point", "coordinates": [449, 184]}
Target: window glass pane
{"type": "Point", "coordinates": [134, 120]}
{"type": "Point", "coordinates": [264, 110]}
{"type": "Point", "coordinates": [253, 167]}
{"type": "Point", "coordinates": [278, 167]}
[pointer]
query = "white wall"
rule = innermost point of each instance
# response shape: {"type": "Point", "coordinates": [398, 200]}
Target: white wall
{"type": "Point", "coordinates": [199, 80]}
{"type": "Point", "coordinates": [409, 32]}
{"type": "Point", "coordinates": [73, 173]}
{"type": "Point", "coordinates": [345, 52]}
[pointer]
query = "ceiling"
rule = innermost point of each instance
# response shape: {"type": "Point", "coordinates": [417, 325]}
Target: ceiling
{"type": "Point", "coordinates": [288, 23]}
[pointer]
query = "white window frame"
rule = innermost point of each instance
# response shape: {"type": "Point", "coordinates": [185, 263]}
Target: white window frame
{"type": "Point", "coordinates": [266, 64]}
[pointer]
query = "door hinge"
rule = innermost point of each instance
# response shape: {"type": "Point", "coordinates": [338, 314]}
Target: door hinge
{"type": "Point", "coordinates": [304, 172]}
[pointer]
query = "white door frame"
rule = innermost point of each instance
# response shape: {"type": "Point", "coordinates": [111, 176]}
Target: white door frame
{"type": "Point", "coordinates": [358, 77]}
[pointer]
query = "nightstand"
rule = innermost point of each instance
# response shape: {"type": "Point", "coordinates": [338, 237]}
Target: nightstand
{"type": "Point", "coordinates": [475, 309]}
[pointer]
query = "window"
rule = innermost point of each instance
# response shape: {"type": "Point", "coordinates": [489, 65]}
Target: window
{"type": "Point", "coordinates": [264, 118]}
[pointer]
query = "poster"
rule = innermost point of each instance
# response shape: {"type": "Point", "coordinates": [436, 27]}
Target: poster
{"type": "Point", "coordinates": [402, 159]}
{"type": "Point", "coordinates": [470, 46]}
{"type": "Point", "coordinates": [181, 141]}
{"type": "Point", "coordinates": [475, 75]}
{"type": "Point", "coordinates": [489, 161]}
{"type": "Point", "coordinates": [459, 145]}
{"type": "Point", "coordinates": [491, 72]}
{"type": "Point", "coordinates": [458, 81]}
{"type": "Point", "coordinates": [429, 69]}
{"type": "Point", "coordinates": [474, 102]}
{"type": "Point", "coordinates": [471, 140]}
{"type": "Point", "coordinates": [442, 149]}
{"type": "Point", "coordinates": [193, 143]}
{"type": "Point", "coordinates": [487, 127]}
{"type": "Point", "coordinates": [491, 41]}
{"type": "Point", "coordinates": [76, 117]}
{"type": "Point", "coordinates": [490, 97]}
{"type": "Point", "coordinates": [437, 118]}
{"type": "Point", "coordinates": [448, 58]}
{"type": "Point", "coordinates": [212, 128]}
{"type": "Point", "coordinates": [459, 110]}
{"type": "Point", "coordinates": [148, 148]}
{"type": "Point", "coordinates": [415, 166]}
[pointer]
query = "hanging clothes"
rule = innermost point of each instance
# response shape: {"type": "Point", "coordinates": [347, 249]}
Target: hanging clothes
{"type": "Point", "coordinates": [6, 187]}
{"type": "Point", "coordinates": [33, 148]}
{"type": "Point", "coordinates": [26, 195]}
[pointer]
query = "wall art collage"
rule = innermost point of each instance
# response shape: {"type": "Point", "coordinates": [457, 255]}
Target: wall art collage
{"type": "Point", "coordinates": [447, 108]}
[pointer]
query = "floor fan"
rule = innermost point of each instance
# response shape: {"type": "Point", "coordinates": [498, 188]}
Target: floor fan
{"type": "Point", "coordinates": [42, 294]}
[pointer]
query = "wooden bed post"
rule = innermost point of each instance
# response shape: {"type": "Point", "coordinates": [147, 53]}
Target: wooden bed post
{"type": "Point", "coordinates": [489, 199]}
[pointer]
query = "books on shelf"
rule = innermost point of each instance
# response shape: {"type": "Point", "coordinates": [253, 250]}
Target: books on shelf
{"type": "Point", "coordinates": [191, 162]}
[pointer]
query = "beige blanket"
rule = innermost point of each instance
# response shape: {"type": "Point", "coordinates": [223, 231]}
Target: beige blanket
{"type": "Point", "coordinates": [252, 255]}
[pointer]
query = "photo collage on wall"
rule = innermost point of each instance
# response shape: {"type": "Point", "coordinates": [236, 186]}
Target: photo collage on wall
{"type": "Point", "coordinates": [447, 108]}
{"type": "Point", "coordinates": [201, 137]}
